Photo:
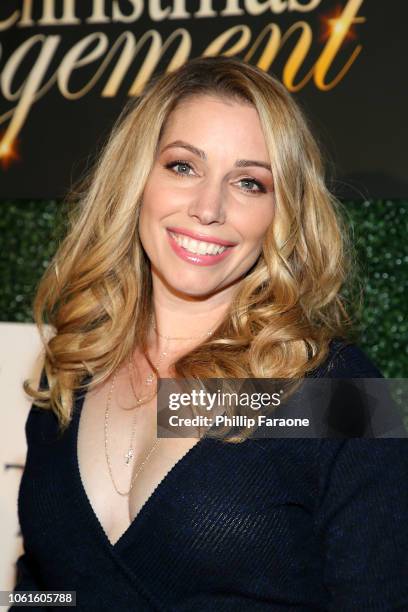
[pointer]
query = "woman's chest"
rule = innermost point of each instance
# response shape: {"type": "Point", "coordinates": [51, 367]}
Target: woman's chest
{"type": "Point", "coordinates": [122, 462]}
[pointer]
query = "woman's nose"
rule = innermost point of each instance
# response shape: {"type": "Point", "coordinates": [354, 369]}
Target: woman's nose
{"type": "Point", "coordinates": [208, 205]}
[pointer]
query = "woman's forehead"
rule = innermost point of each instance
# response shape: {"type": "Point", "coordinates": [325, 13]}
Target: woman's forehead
{"type": "Point", "coordinates": [214, 119]}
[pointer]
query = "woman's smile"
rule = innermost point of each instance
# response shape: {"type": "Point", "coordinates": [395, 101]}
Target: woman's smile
{"type": "Point", "coordinates": [198, 252]}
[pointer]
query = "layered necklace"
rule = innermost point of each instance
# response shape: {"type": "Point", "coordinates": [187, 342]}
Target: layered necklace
{"type": "Point", "coordinates": [140, 401]}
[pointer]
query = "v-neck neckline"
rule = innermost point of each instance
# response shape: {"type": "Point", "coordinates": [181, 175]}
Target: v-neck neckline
{"type": "Point", "coordinates": [148, 504]}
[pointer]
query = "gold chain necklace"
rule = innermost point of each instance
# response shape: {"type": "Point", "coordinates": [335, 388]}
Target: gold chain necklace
{"type": "Point", "coordinates": [207, 333]}
{"type": "Point", "coordinates": [123, 493]}
{"type": "Point", "coordinates": [150, 378]}
{"type": "Point", "coordinates": [139, 401]}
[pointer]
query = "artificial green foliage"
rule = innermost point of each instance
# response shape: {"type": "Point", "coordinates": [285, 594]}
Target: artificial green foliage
{"type": "Point", "coordinates": [30, 232]}
{"type": "Point", "coordinates": [29, 235]}
{"type": "Point", "coordinates": [380, 236]}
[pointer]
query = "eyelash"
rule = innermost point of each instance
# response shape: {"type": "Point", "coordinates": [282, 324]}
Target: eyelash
{"type": "Point", "coordinates": [180, 162]}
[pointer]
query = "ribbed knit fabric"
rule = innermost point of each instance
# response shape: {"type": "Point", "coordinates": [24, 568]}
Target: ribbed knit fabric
{"type": "Point", "coordinates": [265, 525]}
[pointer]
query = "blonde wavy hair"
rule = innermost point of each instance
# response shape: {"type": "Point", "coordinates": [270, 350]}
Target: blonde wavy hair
{"type": "Point", "coordinates": [96, 293]}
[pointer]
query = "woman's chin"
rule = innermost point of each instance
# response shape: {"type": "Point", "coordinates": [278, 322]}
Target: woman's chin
{"type": "Point", "coordinates": [193, 290]}
{"type": "Point", "coordinates": [189, 285]}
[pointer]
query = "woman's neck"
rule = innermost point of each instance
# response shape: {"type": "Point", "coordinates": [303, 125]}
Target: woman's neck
{"type": "Point", "coordinates": [185, 317]}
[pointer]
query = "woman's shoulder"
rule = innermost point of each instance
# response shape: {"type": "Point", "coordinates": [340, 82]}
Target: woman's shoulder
{"type": "Point", "coordinates": [346, 360]}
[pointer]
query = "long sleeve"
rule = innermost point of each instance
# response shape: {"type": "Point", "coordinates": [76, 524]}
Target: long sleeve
{"type": "Point", "coordinates": [25, 579]}
{"type": "Point", "coordinates": [26, 576]}
{"type": "Point", "coordinates": [362, 522]}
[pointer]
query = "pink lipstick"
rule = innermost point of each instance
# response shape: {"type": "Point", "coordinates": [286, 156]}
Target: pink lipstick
{"type": "Point", "coordinates": [198, 258]}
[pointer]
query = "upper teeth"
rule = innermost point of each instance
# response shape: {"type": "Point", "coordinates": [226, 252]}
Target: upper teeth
{"type": "Point", "coordinates": [198, 246]}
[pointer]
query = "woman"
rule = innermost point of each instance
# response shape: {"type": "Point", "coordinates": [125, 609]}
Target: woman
{"type": "Point", "coordinates": [205, 246]}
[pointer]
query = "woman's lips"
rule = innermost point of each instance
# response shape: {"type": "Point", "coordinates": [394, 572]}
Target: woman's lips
{"type": "Point", "coordinates": [198, 236]}
{"type": "Point", "coordinates": [197, 258]}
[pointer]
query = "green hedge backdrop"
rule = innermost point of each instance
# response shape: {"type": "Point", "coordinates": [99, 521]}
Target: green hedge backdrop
{"type": "Point", "coordinates": [30, 231]}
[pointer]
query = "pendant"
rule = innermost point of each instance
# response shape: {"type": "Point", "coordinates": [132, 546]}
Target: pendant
{"type": "Point", "coordinates": [149, 379]}
{"type": "Point", "coordinates": [129, 456]}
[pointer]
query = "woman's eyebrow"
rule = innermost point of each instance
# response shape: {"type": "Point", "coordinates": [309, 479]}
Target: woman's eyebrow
{"type": "Point", "coordinates": [240, 163]}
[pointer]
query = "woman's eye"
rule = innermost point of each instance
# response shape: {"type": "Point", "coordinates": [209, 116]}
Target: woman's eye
{"type": "Point", "coordinates": [183, 168]}
{"type": "Point", "coordinates": [251, 185]}
{"type": "Point", "coordinates": [179, 167]}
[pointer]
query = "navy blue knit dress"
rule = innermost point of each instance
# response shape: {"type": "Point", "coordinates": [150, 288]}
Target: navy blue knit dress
{"type": "Point", "coordinates": [268, 524]}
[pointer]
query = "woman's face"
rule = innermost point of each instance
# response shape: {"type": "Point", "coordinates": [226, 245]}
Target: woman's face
{"type": "Point", "coordinates": [209, 198]}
